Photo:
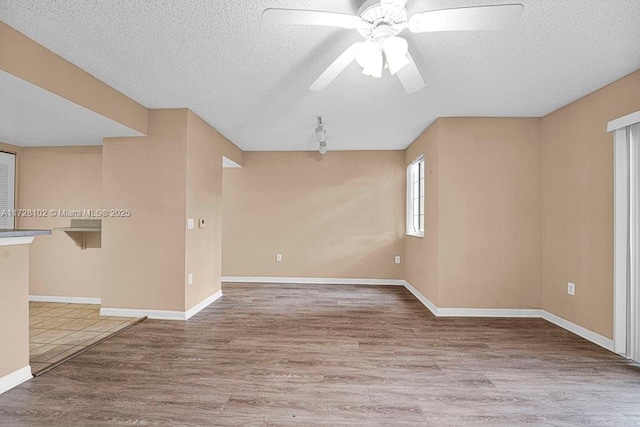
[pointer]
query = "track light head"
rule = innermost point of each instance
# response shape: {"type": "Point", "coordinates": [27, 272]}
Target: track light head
{"type": "Point", "coordinates": [321, 134]}
{"type": "Point", "coordinates": [323, 148]}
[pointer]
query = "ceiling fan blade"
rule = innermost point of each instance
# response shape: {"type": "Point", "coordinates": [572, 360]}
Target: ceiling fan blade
{"type": "Point", "coordinates": [410, 77]}
{"type": "Point", "coordinates": [336, 68]}
{"type": "Point", "coordinates": [498, 17]}
{"type": "Point", "coordinates": [310, 17]}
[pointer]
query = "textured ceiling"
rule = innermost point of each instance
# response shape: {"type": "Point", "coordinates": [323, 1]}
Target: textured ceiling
{"type": "Point", "coordinates": [33, 117]}
{"type": "Point", "coordinates": [249, 80]}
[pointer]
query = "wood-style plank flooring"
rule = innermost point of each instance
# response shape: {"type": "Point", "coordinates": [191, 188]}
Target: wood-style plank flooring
{"type": "Point", "coordinates": [333, 355]}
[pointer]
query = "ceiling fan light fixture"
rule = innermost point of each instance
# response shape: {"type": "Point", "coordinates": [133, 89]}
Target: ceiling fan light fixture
{"type": "Point", "coordinates": [395, 50]}
{"type": "Point", "coordinates": [397, 63]}
{"type": "Point", "coordinates": [375, 71]}
{"type": "Point", "coordinates": [369, 57]}
{"type": "Point", "coordinates": [379, 22]}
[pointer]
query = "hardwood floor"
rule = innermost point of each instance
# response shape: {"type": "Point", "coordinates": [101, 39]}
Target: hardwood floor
{"type": "Point", "coordinates": [333, 355]}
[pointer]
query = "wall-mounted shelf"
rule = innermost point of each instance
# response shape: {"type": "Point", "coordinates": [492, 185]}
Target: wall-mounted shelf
{"type": "Point", "coordinates": [85, 233]}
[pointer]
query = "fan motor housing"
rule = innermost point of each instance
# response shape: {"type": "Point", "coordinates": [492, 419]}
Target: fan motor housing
{"type": "Point", "coordinates": [380, 21]}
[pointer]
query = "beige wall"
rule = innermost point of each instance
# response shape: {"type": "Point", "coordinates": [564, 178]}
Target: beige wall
{"type": "Point", "coordinates": [26, 59]}
{"type": "Point", "coordinates": [421, 254]}
{"type": "Point", "coordinates": [578, 205]}
{"type": "Point", "coordinates": [9, 148]}
{"type": "Point", "coordinates": [173, 174]}
{"type": "Point", "coordinates": [61, 178]}
{"type": "Point", "coordinates": [204, 201]}
{"type": "Point", "coordinates": [14, 308]}
{"type": "Point", "coordinates": [490, 220]}
{"type": "Point", "coordinates": [482, 244]}
{"type": "Point", "coordinates": [143, 256]}
{"type": "Point", "coordinates": [338, 215]}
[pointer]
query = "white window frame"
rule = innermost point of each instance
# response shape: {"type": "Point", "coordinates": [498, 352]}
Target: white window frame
{"type": "Point", "coordinates": [415, 192]}
{"type": "Point", "coordinates": [8, 219]}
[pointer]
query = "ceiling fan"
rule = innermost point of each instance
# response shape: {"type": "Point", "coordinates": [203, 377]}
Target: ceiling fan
{"type": "Point", "coordinates": [380, 22]}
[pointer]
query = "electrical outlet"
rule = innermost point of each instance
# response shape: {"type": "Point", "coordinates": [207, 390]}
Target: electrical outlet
{"type": "Point", "coordinates": [190, 224]}
{"type": "Point", "coordinates": [278, 257]}
{"type": "Point", "coordinates": [571, 288]}
{"type": "Point", "coordinates": [397, 259]}
{"type": "Point", "coordinates": [191, 278]}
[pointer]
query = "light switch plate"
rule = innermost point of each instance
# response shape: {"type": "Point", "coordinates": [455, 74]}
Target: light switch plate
{"type": "Point", "coordinates": [190, 224]}
{"type": "Point", "coordinates": [278, 257]}
{"type": "Point", "coordinates": [190, 278]}
{"type": "Point", "coordinates": [397, 259]}
{"type": "Point", "coordinates": [571, 288]}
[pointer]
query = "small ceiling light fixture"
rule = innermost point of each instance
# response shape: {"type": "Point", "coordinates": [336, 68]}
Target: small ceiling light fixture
{"type": "Point", "coordinates": [321, 136]}
{"type": "Point", "coordinates": [369, 57]}
{"type": "Point", "coordinates": [395, 51]}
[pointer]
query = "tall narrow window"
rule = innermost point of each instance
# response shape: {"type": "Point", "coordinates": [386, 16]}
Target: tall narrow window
{"type": "Point", "coordinates": [415, 197]}
{"type": "Point", "coordinates": [7, 189]}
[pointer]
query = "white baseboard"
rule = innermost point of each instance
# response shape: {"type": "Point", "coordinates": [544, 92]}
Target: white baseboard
{"type": "Point", "coordinates": [490, 312]}
{"type": "Point", "coordinates": [312, 280]}
{"type": "Point", "coordinates": [151, 314]}
{"type": "Point", "coordinates": [424, 300]}
{"type": "Point", "coordinates": [66, 300]}
{"type": "Point", "coordinates": [508, 312]}
{"type": "Point", "coordinates": [202, 305]}
{"type": "Point", "coordinates": [15, 378]}
{"type": "Point", "coordinates": [471, 312]}
{"type": "Point", "coordinates": [578, 330]}
{"type": "Point", "coordinates": [160, 314]}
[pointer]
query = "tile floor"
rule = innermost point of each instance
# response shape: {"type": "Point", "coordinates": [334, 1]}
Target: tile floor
{"type": "Point", "coordinates": [58, 330]}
